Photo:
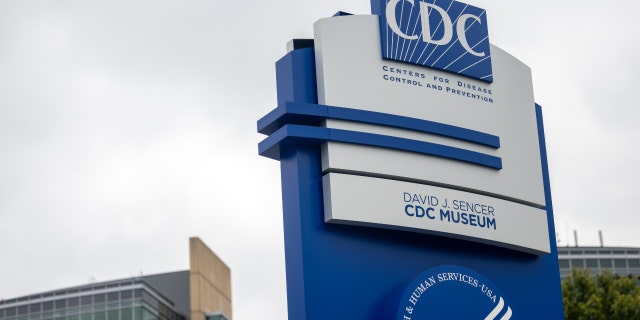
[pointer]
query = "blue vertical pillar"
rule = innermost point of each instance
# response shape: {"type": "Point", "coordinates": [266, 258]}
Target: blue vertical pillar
{"type": "Point", "coordinates": [301, 175]}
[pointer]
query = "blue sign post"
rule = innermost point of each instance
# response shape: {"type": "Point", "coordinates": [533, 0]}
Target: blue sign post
{"type": "Point", "coordinates": [353, 250]}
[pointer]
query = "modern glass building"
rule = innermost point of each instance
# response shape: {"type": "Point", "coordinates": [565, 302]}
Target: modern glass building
{"type": "Point", "coordinates": [128, 299]}
{"type": "Point", "coordinates": [201, 293]}
{"type": "Point", "coordinates": [622, 261]}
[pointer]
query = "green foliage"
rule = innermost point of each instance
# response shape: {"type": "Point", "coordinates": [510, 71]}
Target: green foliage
{"type": "Point", "coordinates": [601, 297]}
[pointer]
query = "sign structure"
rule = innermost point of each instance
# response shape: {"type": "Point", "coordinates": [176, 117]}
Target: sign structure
{"type": "Point", "coordinates": [414, 173]}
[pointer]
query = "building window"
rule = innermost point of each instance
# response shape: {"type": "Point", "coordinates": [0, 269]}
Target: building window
{"type": "Point", "coordinates": [22, 310]}
{"type": "Point", "coordinates": [10, 312]}
{"type": "Point", "coordinates": [98, 298]}
{"type": "Point", "coordinates": [126, 295]}
{"type": "Point", "coordinates": [61, 304]}
{"type": "Point", "coordinates": [73, 302]}
{"type": "Point", "coordinates": [606, 264]}
{"type": "Point", "coordinates": [620, 263]}
{"type": "Point", "coordinates": [35, 307]}
{"type": "Point", "coordinates": [592, 263]}
{"type": "Point", "coordinates": [47, 306]}
{"type": "Point", "coordinates": [113, 296]}
{"type": "Point", "coordinates": [577, 263]}
{"type": "Point", "coordinates": [126, 314]}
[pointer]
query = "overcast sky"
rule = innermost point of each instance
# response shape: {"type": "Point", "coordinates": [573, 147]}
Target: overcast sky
{"type": "Point", "coordinates": [127, 126]}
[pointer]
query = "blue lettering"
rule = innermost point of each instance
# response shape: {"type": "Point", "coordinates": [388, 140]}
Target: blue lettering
{"type": "Point", "coordinates": [428, 215]}
{"type": "Point", "coordinates": [406, 210]}
{"type": "Point", "coordinates": [465, 219]}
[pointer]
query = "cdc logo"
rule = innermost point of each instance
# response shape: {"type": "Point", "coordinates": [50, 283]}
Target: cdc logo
{"type": "Point", "coordinates": [444, 34]}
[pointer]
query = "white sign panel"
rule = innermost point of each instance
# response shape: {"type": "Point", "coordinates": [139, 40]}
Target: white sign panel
{"type": "Point", "coordinates": [352, 74]}
{"type": "Point", "coordinates": [366, 201]}
{"type": "Point", "coordinates": [500, 204]}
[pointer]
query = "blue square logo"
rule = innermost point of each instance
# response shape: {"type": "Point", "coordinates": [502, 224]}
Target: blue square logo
{"type": "Point", "coordinates": [447, 35]}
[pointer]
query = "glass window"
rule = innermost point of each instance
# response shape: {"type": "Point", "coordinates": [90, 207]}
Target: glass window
{"type": "Point", "coordinates": [146, 315]}
{"type": "Point", "coordinates": [112, 315]}
{"type": "Point", "coordinates": [124, 295]}
{"type": "Point", "coordinates": [137, 313]}
{"type": "Point", "coordinates": [618, 252]}
{"type": "Point", "coordinates": [23, 310]}
{"type": "Point", "coordinates": [85, 300]}
{"type": "Point", "coordinates": [606, 264]}
{"type": "Point", "coordinates": [126, 314]}
{"type": "Point", "coordinates": [113, 296]}
{"type": "Point", "coordinates": [73, 302]}
{"type": "Point", "coordinates": [35, 307]}
{"type": "Point", "coordinates": [61, 304]}
{"type": "Point", "coordinates": [48, 305]}
{"type": "Point", "coordinates": [150, 300]}
{"type": "Point", "coordinates": [98, 298]}
{"type": "Point", "coordinates": [99, 315]}
{"type": "Point", "coordinates": [590, 252]}
{"type": "Point", "coordinates": [137, 293]}
{"type": "Point", "coordinates": [560, 253]}
{"type": "Point", "coordinates": [74, 317]}
{"type": "Point", "coordinates": [592, 263]}
{"type": "Point", "coordinates": [86, 316]}
{"type": "Point", "coordinates": [71, 311]}
{"type": "Point", "coordinates": [620, 263]}
{"type": "Point", "coordinates": [633, 252]}
{"type": "Point", "coordinates": [10, 312]}
{"type": "Point", "coordinates": [577, 263]}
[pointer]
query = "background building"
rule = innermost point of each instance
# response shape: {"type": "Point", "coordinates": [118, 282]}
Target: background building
{"type": "Point", "coordinates": [201, 293]}
{"type": "Point", "coordinates": [622, 261]}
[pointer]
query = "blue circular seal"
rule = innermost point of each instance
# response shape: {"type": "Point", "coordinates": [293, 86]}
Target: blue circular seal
{"type": "Point", "coordinates": [452, 292]}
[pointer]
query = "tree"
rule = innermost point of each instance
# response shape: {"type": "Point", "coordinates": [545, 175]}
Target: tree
{"type": "Point", "coordinates": [601, 297]}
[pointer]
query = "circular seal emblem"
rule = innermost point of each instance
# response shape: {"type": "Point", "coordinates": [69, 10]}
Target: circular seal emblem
{"type": "Point", "coordinates": [452, 292]}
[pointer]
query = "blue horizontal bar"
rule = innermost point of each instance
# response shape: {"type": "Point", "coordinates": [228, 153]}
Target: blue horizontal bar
{"type": "Point", "coordinates": [290, 133]}
{"type": "Point", "coordinates": [313, 114]}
